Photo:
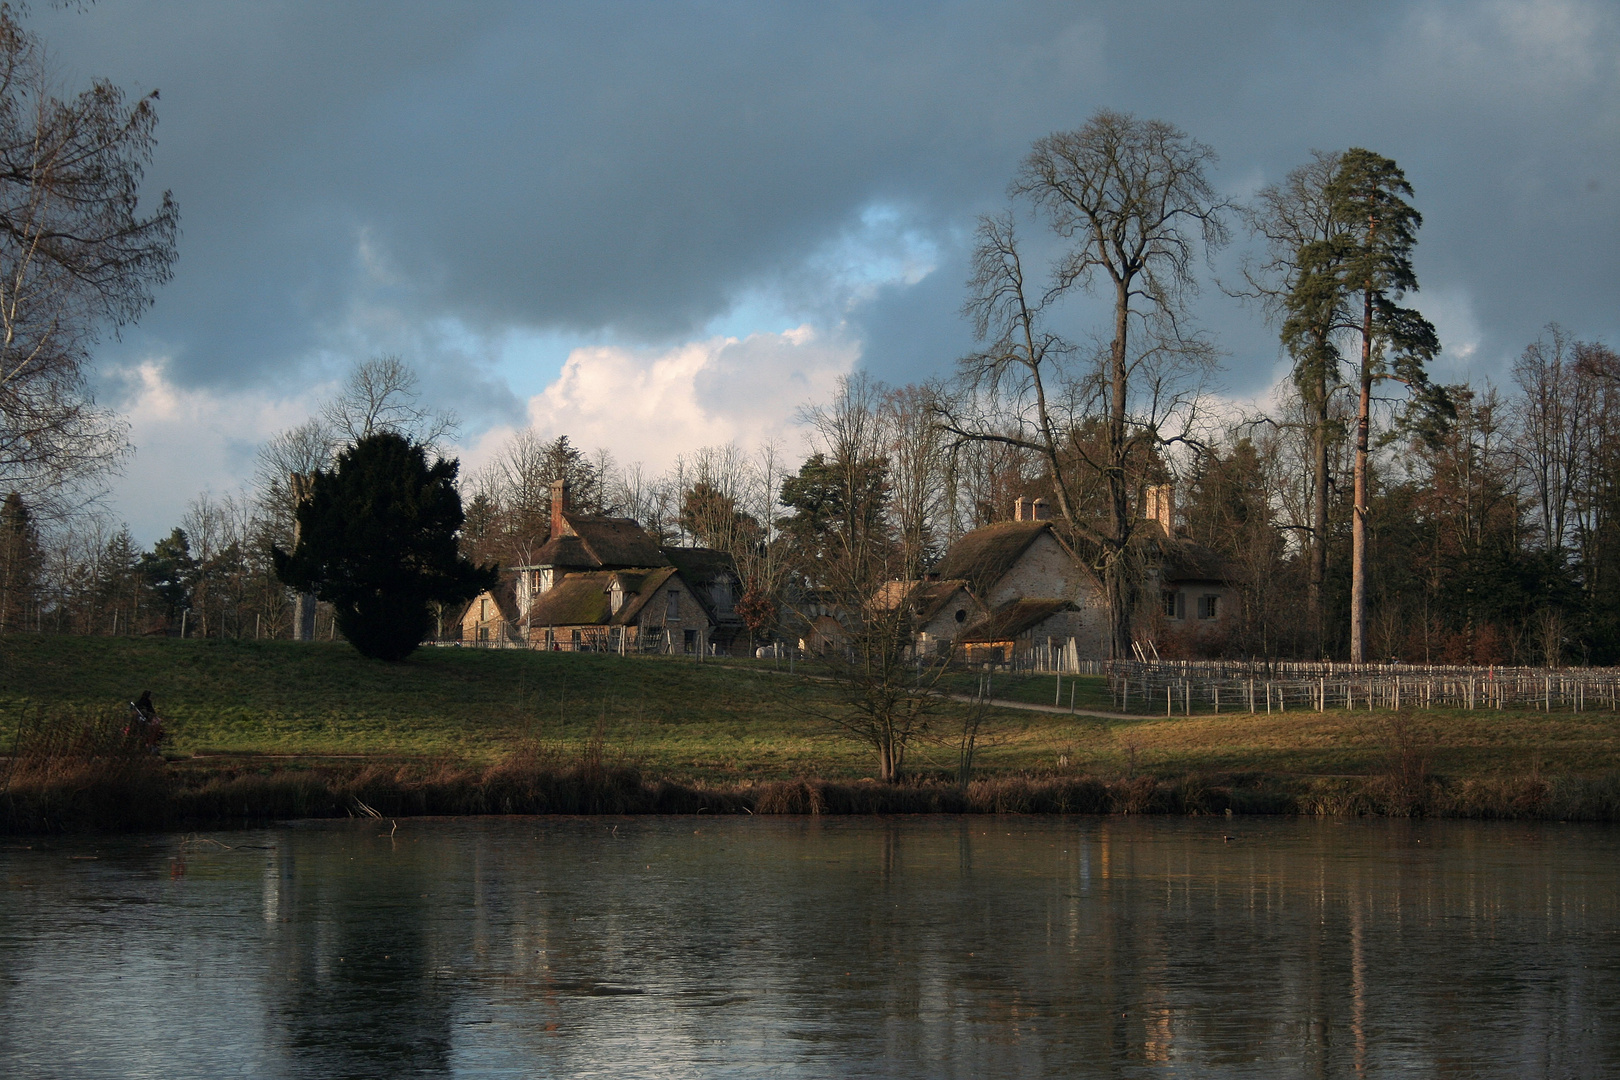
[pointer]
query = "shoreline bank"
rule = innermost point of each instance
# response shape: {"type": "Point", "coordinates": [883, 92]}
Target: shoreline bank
{"type": "Point", "coordinates": [142, 795]}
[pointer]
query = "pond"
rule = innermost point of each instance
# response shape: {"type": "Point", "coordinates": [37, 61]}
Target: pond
{"type": "Point", "coordinates": [805, 947]}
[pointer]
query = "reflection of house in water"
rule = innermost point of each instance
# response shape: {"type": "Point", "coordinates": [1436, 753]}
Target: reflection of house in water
{"type": "Point", "coordinates": [1016, 589]}
{"type": "Point", "coordinates": [602, 584]}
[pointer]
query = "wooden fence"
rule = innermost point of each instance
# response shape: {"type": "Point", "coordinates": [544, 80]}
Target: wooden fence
{"type": "Point", "coordinates": [1189, 688]}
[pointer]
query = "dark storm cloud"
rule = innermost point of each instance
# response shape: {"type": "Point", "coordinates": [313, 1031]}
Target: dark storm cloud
{"type": "Point", "coordinates": [633, 170]}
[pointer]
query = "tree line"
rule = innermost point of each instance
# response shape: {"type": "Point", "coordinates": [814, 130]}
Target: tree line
{"type": "Point", "coordinates": [1368, 513]}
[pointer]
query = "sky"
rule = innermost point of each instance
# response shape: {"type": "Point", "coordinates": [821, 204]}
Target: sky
{"type": "Point", "coordinates": [656, 226]}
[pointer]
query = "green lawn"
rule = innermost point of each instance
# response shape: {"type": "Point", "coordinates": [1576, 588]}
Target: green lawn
{"type": "Point", "coordinates": [715, 722]}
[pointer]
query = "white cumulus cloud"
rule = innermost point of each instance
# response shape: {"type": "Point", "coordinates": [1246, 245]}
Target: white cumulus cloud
{"type": "Point", "coordinates": [192, 440]}
{"type": "Point", "coordinates": [652, 406]}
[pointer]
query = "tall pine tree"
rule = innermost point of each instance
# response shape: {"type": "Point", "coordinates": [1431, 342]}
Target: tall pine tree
{"type": "Point", "coordinates": [1353, 281]}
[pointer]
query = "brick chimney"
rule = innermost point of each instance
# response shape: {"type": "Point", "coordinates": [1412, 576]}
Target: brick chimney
{"type": "Point", "coordinates": [1023, 510]}
{"type": "Point", "coordinates": [559, 503]}
{"type": "Point", "coordinates": [1043, 510]}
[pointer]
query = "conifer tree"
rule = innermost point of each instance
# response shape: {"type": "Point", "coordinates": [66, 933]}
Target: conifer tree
{"type": "Point", "coordinates": [377, 540]}
{"type": "Point", "coordinates": [1353, 281]}
{"type": "Point", "coordinates": [19, 563]}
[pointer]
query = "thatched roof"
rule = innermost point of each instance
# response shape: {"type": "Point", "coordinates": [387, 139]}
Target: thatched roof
{"type": "Point", "coordinates": [927, 596]}
{"type": "Point", "coordinates": [594, 542]}
{"type": "Point", "coordinates": [504, 595]}
{"type": "Point", "coordinates": [1015, 618]}
{"type": "Point", "coordinates": [1185, 561]}
{"type": "Point", "coordinates": [582, 599]}
{"type": "Point", "coordinates": [702, 568]}
{"type": "Point", "coordinates": [983, 556]}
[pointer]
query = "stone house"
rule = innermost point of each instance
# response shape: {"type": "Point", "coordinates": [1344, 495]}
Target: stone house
{"type": "Point", "coordinates": [1015, 589]}
{"type": "Point", "coordinates": [1010, 589]}
{"type": "Point", "coordinates": [1197, 600]}
{"type": "Point", "coordinates": [602, 583]}
{"type": "Point", "coordinates": [492, 616]}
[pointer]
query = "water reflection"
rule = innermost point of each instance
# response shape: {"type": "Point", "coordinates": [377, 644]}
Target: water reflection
{"type": "Point", "coordinates": [935, 947]}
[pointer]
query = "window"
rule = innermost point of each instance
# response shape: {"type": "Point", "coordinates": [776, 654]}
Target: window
{"type": "Point", "coordinates": [1175, 605]}
{"type": "Point", "coordinates": [961, 615]}
{"type": "Point", "coordinates": [672, 613]}
{"type": "Point", "coordinates": [483, 609]}
{"type": "Point", "coordinates": [1170, 605]}
{"type": "Point", "coordinates": [689, 641]}
{"type": "Point", "coordinates": [616, 597]}
{"type": "Point", "coordinates": [1207, 606]}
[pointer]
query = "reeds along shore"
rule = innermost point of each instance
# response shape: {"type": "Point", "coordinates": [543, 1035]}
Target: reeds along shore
{"type": "Point", "coordinates": [115, 795]}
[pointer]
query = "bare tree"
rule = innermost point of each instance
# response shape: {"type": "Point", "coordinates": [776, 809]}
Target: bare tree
{"type": "Point", "coordinates": [1131, 199]}
{"type": "Point", "coordinates": [916, 448]}
{"type": "Point", "coordinates": [285, 465]}
{"type": "Point", "coordinates": [652, 501]}
{"type": "Point", "coordinates": [1551, 419]}
{"type": "Point", "coordinates": [76, 255]}
{"type": "Point", "coordinates": [382, 395]}
{"type": "Point", "coordinates": [851, 566]}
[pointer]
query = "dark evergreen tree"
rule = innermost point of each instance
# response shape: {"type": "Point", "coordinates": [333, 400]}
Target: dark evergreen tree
{"type": "Point", "coordinates": [170, 571]}
{"type": "Point", "coordinates": [378, 542]}
{"type": "Point", "coordinates": [118, 582]}
{"type": "Point", "coordinates": [19, 563]}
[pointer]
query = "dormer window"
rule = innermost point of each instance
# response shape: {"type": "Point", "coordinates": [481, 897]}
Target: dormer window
{"type": "Point", "coordinates": [542, 579]}
{"type": "Point", "coordinates": [615, 596]}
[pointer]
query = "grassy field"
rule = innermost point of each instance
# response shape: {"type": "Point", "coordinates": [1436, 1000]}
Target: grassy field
{"type": "Point", "coordinates": [277, 704]}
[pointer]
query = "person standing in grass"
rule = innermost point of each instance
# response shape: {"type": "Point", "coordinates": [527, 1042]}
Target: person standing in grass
{"type": "Point", "coordinates": [147, 726]}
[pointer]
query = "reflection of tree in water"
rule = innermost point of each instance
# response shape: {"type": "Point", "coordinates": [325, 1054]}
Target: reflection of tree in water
{"type": "Point", "coordinates": [973, 946]}
{"type": "Point", "coordinates": [356, 983]}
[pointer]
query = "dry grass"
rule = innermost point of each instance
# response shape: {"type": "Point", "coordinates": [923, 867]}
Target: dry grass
{"type": "Point", "coordinates": [273, 730]}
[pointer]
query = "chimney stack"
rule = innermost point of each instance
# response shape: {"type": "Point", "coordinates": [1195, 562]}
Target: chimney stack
{"type": "Point", "coordinates": [1022, 510]}
{"type": "Point", "coordinates": [1159, 506]}
{"type": "Point", "coordinates": [1043, 510]}
{"type": "Point", "coordinates": [559, 503]}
